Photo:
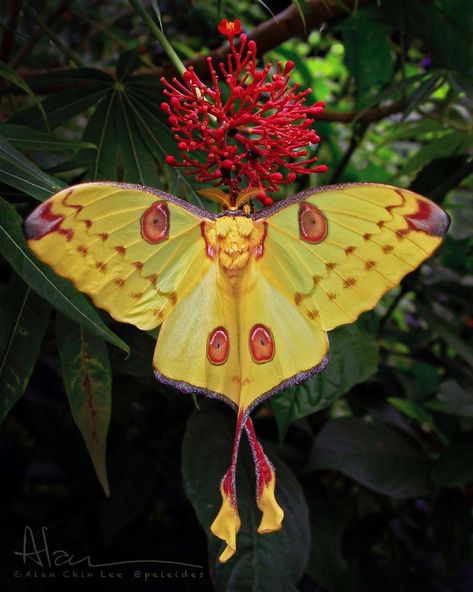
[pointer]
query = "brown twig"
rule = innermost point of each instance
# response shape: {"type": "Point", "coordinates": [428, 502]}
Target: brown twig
{"type": "Point", "coordinates": [267, 36]}
{"type": "Point", "coordinates": [366, 116]}
{"type": "Point", "coordinates": [270, 34]}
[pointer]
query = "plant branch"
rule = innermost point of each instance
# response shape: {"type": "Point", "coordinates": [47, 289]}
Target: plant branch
{"type": "Point", "coordinates": [159, 36]}
{"type": "Point", "coordinates": [270, 34]}
{"type": "Point", "coordinates": [356, 139]}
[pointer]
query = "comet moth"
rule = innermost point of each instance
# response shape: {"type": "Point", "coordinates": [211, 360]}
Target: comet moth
{"type": "Point", "coordinates": [244, 300]}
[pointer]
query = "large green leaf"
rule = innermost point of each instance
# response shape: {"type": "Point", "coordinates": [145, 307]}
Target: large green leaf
{"type": "Point", "coordinates": [26, 138]}
{"type": "Point", "coordinates": [26, 318]}
{"type": "Point", "coordinates": [263, 562]}
{"type": "Point", "coordinates": [353, 359]}
{"type": "Point", "coordinates": [57, 291]}
{"type": "Point", "coordinates": [19, 172]}
{"type": "Point", "coordinates": [326, 560]}
{"type": "Point", "coordinates": [445, 28]}
{"type": "Point", "coordinates": [368, 53]}
{"type": "Point", "coordinates": [375, 455]}
{"type": "Point", "coordinates": [90, 86]}
{"type": "Point", "coordinates": [9, 74]}
{"type": "Point", "coordinates": [87, 377]}
{"type": "Point", "coordinates": [453, 399]}
{"type": "Point", "coordinates": [454, 468]}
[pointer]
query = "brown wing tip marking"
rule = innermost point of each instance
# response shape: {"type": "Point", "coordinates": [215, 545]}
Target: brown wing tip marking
{"type": "Point", "coordinates": [120, 249]}
{"type": "Point", "coordinates": [387, 249]}
{"type": "Point", "coordinates": [41, 222]}
{"type": "Point", "coordinates": [119, 282]}
{"type": "Point", "coordinates": [82, 249]}
{"type": "Point", "coordinates": [429, 218]}
{"type": "Point", "coordinates": [350, 250]}
{"type": "Point", "coordinates": [313, 314]}
{"type": "Point", "coordinates": [101, 266]}
{"type": "Point", "coordinates": [369, 265]}
{"type": "Point", "coordinates": [103, 236]}
{"type": "Point", "coordinates": [138, 265]}
{"type": "Point", "coordinates": [136, 295]}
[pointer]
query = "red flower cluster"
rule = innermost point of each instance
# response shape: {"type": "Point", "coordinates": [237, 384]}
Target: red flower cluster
{"type": "Point", "coordinates": [253, 133]}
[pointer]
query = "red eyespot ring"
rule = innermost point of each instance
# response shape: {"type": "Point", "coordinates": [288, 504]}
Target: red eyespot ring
{"type": "Point", "coordinates": [261, 344]}
{"type": "Point", "coordinates": [313, 224]}
{"type": "Point", "coordinates": [218, 346]}
{"type": "Point", "coordinates": [155, 223]}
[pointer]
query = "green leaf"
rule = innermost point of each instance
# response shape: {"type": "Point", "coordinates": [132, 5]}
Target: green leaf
{"type": "Point", "coordinates": [262, 562]}
{"type": "Point", "coordinates": [446, 29]}
{"type": "Point", "coordinates": [326, 561]}
{"type": "Point", "coordinates": [452, 399]}
{"type": "Point", "coordinates": [449, 144]}
{"type": "Point", "coordinates": [375, 455]}
{"type": "Point", "coordinates": [353, 359]}
{"type": "Point", "coordinates": [454, 468]}
{"type": "Point", "coordinates": [59, 292]}
{"type": "Point", "coordinates": [87, 375]}
{"type": "Point", "coordinates": [411, 409]}
{"type": "Point", "coordinates": [302, 9]}
{"type": "Point", "coordinates": [157, 137]}
{"type": "Point", "coordinates": [19, 172]}
{"type": "Point", "coordinates": [422, 92]}
{"type": "Point", "coordinates": [90, 86]}
{"type": "Point", "coordinates": [27, 315]}
{"type": "Point", "coordinates": [368, 54]}
{"type": "Point", "coordinates": [13, 77]}
{"type": "Point", "coordinates": [102, 130]}
{"type": "Point", "coordinates": [438, 324]}
{"type": "Point", "coordinates": [26, 138]}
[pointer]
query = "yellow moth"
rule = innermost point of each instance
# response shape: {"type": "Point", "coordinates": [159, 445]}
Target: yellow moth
{"type": "Point", "coordinates": [244, 300]}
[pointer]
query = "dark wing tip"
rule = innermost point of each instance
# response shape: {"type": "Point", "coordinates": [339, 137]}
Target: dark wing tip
{"type": "Point", "coordinates": [41, 221]}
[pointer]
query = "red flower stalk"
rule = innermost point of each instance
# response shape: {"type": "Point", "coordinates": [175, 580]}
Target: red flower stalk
{"type": "Point", "coordinates": [253, 133]}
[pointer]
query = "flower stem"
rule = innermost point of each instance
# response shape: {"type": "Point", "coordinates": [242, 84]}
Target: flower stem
{"type": "Point", "coordinates": [159, 36]}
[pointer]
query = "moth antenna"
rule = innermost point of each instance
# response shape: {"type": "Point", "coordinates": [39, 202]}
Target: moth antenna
{"type": "Point", "coordinates": [245, 196]}
{"type": "Point", "coordinates": [215, 194]}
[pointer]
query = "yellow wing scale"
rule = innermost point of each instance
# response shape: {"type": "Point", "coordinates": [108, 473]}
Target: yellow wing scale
{"type": "Point", "coordinates": [371, 244]}
{"type": "Point", "coordinates": [244, 301]}
{"type": "Point", "coordinates": [297, 288]}
{"type": "Point", "coordinates": [91, 234]}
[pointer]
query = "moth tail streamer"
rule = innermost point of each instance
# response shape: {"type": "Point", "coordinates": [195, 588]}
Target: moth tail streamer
{"type": "Point", "coordinates": [227, 522]}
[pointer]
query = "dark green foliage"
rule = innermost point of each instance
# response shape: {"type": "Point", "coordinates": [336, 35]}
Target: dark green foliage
{"type": "Point", "coordinates": [374, 456]}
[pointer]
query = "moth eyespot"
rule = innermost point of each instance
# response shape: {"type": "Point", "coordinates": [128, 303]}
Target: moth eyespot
{"type": "Point", "coordinates": [313, 224]}
{"type": "Point", "coordinates": [155, 223]}
{"type": "Point", "coordinates": [261, 344]}
{"type": "Point", "coordinates": [218, 346]}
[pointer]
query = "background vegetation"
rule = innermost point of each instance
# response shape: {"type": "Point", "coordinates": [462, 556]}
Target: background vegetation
{"type": "Point", "coordinates": [374, 455]}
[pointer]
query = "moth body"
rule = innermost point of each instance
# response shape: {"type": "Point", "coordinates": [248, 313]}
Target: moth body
{"type": "Point", "coordinates": [235, 240]}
